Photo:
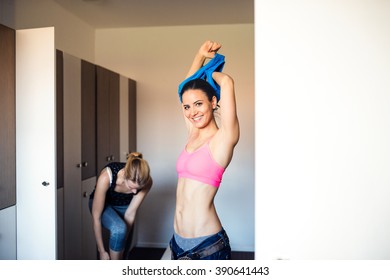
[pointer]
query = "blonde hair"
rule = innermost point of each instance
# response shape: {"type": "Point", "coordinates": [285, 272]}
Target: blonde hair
{"type": "Point", "coordinates": [137, 169]}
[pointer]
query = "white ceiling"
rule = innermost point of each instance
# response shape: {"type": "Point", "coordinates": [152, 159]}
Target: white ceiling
{"type": "Point", "coordinates": [143, 13]}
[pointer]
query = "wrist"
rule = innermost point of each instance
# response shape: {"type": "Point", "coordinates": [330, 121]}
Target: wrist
{"type": "Point", "coordinates": [200, 58]}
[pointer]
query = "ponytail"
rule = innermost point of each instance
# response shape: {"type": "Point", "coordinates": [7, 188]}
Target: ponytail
{"type": "Point", "coordinates": [137, 169]}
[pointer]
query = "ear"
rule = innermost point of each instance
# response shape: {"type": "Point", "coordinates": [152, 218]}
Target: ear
{"type": "Point", "coordinates": [214, 102]}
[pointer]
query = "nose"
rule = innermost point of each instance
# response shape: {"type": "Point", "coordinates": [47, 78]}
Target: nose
{"type": "Point", "coordinates": [194, 111]}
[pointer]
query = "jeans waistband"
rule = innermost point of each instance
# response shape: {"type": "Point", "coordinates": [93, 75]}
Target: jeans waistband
{"type": "Point", "coordinates": [202, 251]}
{"type": "Point", "coordinates": [209, 250]}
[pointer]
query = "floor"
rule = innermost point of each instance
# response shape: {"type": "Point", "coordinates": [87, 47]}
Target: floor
{"type": "Point", "coordinates": [139, 253]}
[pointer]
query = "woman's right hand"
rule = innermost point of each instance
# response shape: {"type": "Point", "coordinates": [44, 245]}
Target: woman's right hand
{"type": "Point", "coordinates": [209, 49]}
{"type": "Point", "coordinates": [104, 256]}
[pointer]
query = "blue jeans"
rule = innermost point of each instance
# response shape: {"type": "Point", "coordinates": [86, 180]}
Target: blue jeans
{"type": "Point", "coordinates": [215, 247]}
{"type": "Point", "coordinates": [113, 219]}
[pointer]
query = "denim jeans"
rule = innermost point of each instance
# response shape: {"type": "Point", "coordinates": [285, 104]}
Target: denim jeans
{"type": "Point", "coordinates": [112, 219]}
{"type": "Point", "coordinates": [215, 247]}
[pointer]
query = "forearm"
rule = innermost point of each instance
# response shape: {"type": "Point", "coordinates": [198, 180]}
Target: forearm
{"type": "Point", "coordinates": [197, 63]}
{"type": "Point", "coordinates": [97, 228]}
{"type": "Point", "coordinates": [129, 221]}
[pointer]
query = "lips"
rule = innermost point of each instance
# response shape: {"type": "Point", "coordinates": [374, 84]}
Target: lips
{"type": "Point", "coordinates": [197, 119]}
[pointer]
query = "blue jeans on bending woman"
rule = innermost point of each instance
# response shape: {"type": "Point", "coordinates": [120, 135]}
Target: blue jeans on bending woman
{"type": "Point", "coordinates": [113, 219]}
{"type": "Point", "coordinates": [215, 247]}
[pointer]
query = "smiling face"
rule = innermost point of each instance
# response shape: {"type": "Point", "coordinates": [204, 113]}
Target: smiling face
{"type": "Point", "coordinates": [197, 108]}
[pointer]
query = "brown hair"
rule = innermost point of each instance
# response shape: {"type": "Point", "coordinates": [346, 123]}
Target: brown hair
{"type": "Point", "coordinates": [137, 169]}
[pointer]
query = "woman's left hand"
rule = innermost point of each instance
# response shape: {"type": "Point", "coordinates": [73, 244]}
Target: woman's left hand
{"type": "Point", "coordinates": [209, 49]}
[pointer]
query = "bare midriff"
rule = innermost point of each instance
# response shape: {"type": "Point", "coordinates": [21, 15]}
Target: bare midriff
{"type": "Point", "coordinates": [195, 213]}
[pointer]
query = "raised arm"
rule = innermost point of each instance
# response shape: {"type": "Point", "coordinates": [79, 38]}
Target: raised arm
{"type": "Point", "coordinates": [206, 50]}
{"type": "Point", "coordinates": [224, 141]}
{"type": "Point", "coordinates": [229, 125]}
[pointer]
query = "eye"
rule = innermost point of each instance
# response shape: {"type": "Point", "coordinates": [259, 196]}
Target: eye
{"type": "Point", "coordinates": [186, 107]}
{"type": "Point", "coordinates": [198, 104]}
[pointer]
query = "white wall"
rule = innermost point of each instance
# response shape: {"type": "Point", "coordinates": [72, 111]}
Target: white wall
{"type": "Point", "coordinates": [72, 35]}
{"type": "Point", "coordinates": [323, 129]}
{"type": "Point", "coordinates": [158, 59]}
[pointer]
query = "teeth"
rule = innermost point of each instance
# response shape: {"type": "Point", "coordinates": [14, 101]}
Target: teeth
{"type": "Point", "coordinates": [197, 119]}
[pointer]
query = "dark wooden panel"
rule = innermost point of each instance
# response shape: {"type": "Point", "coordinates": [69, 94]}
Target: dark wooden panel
{"type": "Point", "coordinates": [132, 116]}
{"type": "Point", "coordinates": [114, 116]}
{"type": "Point", "coordinates": [60, 117]}
{"type": "Point", "coordinates": [7, 118]}
{"type": "Point", "coordinates": [102, 117]}
{"type": "Point", "coordinates": [88, 119]}
{"type": "Point", "coordinates": [107, 119]}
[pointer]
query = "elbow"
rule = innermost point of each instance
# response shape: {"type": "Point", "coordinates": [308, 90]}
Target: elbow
{"type": "Point", "coordinates": [227, 82]}
{"type": "Point", "coordinates": [223, 80]}
{"type": "Point", "coordinates": [130, 220]}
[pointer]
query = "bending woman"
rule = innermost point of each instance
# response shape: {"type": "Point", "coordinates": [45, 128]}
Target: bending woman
{"type": "Point", "coordinates": [120, 190]}
{"type": "Point", "coordinates": [198, 230]}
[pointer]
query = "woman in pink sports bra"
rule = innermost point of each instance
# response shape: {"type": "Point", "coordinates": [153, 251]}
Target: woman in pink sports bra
{"type": "Point", "coordinates": [198, 230]}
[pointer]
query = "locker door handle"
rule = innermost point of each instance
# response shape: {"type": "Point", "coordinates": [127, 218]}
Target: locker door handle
{"type": "Point", "coordinates": [110, 158]}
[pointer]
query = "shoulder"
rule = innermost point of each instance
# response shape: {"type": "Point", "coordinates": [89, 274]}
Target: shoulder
{"type": "Point", "coordinates": [104, 174]}
{"type": "Point", "coordinates": [103, 181]}
{"type": "Point", "coordinates": [115, 167]}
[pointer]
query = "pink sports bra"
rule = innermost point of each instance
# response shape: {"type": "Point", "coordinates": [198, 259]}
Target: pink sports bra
{"type": "Point", "coordinates": [200, 165]}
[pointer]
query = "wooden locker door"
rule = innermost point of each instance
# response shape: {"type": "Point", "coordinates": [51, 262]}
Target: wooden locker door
{"type": "Point", "coordinates": [107, 117]}
{"type": "Point", "coordinates": [102, 117]}
{"type": "Point", "coordinates": [88, 119]}
{"type": "Point", "coordinates": [132, 116]}
{"type": "Point", "coordinates": [114, 116]}
{"type": "Point", "coordinates": [72, 157]}
{"type": "Point", "coordinates": [89, 249]}
{"type": "Point", "coordinates": [60, 152]}
{"type": "Point", "coordinates": [7, 118]}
